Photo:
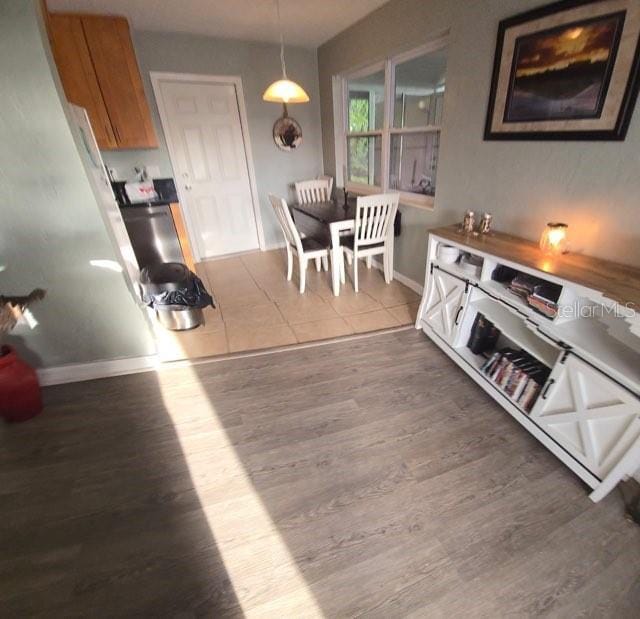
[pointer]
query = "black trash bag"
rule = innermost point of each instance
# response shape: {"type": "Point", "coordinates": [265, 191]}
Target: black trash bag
{"type": "Point", "coordinates": [195, 295]}
{"type": "Point", "coordinates": [172, 286]}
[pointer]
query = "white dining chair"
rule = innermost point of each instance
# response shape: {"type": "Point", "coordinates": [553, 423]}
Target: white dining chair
{"type": "Point", "coordinates": [306, 248]}
{"type": "Point", "coordinates": [329, 180]}
{"type": "Point", "coordinates": [312, 191]}
{"type": "Point", "coordinates": [373, 233]}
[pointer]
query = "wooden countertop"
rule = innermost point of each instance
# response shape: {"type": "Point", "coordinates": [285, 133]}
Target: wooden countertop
{"type": "Point", "coordinates": [619, 282]}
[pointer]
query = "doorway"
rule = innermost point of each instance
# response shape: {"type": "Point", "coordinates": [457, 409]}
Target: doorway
{"type": "Point", "coordinates": [205, 126]}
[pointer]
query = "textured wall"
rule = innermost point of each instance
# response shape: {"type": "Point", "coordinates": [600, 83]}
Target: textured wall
{"type": "Point", "coordinates": [50, 225]}
{"type": "Point", "coordinates": [593, 186]}
{"type": "Point", "coordinates": [258, 64]}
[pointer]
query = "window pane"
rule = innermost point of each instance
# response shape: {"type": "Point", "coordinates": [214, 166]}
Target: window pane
{"type": "Point", "coordinates": [419, 90]}
{"type": "Point", "coordinates": [414, 161]}
{"type": "Point", "coordinates": [366, 102]}
{"type": "Point", "coordinates": [363, 160]}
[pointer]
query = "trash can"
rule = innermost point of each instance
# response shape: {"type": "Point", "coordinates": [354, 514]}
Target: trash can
{"type": "Point", "coordinates": [177, 295]}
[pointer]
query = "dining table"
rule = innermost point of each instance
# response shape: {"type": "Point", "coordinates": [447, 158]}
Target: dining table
{"type": "Point", "coordinates": [334, 216]}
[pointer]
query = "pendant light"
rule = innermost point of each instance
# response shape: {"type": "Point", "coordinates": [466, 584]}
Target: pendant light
{"type": "Point", "coordinates": [284, 90]}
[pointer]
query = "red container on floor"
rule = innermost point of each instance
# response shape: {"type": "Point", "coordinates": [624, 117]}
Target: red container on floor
{"type": "Point", "coordinates": [20, 397]}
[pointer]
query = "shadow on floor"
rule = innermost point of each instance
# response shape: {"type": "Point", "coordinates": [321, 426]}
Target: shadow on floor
{"type": "Point", "coordinates": [98, 512]}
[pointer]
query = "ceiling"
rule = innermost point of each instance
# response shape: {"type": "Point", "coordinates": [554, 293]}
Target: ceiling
{"type": "Point", "coordinates": [306, 23]}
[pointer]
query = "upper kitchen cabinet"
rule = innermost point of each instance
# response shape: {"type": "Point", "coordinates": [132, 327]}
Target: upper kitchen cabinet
{"type": "Point", "coordinates": [78, 77]}
{"type": "Point", "coordinates": [97, 65]}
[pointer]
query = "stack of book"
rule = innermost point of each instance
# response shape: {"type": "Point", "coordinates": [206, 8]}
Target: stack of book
{"type": "Point", "coordinates": [542, 296]}
{"type": "Point", "coordinates": [518, 374]}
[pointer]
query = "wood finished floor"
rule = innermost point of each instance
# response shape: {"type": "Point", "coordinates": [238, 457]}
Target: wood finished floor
{"type": "Point", "coordinates": [258, 308]}
{"type": "Point", "coordinates": [362, 478]}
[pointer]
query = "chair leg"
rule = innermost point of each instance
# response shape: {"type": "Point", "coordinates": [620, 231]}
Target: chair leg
{"type": "Point", "coordinates": [355, 272]}
{"type": "Point", "coordinates": [318, 263]}
{"type": "Point", "coordinates": [289, 263]}
{"type": "Point", "coordinates": [343, 277]}
{"type": "Point", "coordinates": [369, 262]}
{"type": "Point", "coordinates": [325, 262]}
{"type": "Point", "coordinates": [388, 264]}
{"type": "Point", "coordinates": [302, 265]}
{"type": "Point", "coordinates": [349, 259]}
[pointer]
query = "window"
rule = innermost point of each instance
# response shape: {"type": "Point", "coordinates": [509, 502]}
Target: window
{"type": "Point", "coordinates": [365, 119]}
{"type": "Point", "coordinates": [392, 114]}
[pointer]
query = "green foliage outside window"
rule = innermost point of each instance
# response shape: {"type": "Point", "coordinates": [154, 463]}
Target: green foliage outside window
{"type": "Point", "coordinates": [359, 147]}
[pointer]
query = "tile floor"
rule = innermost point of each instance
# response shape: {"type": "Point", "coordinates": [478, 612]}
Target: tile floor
{"type": "Point", "coordinates": [258, 308]}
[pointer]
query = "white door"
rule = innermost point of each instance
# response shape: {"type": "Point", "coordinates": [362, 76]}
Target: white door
{"type": "Point", "coordinates": [201, 121]}
{"type": "Point", "coordinates": [588, 414]}
{"type": "Point", "coordinates": [444, 304]}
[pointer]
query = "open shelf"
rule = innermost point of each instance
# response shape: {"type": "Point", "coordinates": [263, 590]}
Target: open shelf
{"type": "Point", "coordinates": [502, 291]}
{"type": "Point", "coordinates": [471, 358]}
{"type": "Point", "coordinates": [591, 340]}
{"type": "Point", "coordinates": [476, 361]}
{"type": "Point", "coordinates": [456, 270]}
{"type": "Point", "coordinates": [514, 328]}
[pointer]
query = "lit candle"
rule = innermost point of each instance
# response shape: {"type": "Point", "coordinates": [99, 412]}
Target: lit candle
{"type": "Point", "coordinates": [554, 239]}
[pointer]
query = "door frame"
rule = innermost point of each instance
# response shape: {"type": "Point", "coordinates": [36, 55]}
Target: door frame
{"type": "Point", "coordinates": [159, 76]}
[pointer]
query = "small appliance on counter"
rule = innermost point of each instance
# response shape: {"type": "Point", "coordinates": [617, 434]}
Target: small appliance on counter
{"type": "Point", "coordinates": [141, 191]}
{"type": "Point", "coordinates": [159, 191]}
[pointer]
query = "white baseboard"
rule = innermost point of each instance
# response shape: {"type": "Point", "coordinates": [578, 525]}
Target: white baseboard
{"type": "Point", "coordinates": [77, 372]}
{"type": "Point", "coordinates": [280, 245]}
{"type": "Point", "coordinates": [403, 279]}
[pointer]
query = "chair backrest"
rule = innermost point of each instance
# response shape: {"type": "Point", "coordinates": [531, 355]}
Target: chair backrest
{"type": "Point", "coordinates": [291, 234]}
{"type": "Point", "coordinates": [312, 191]}
{"type": "Point", "coordinates": [329, 180]}
{"type": "Point", "coordinates": [374, 215]}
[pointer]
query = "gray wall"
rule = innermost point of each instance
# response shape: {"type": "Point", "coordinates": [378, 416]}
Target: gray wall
{"type": "Point", "coordinates": [258, 64]}
{"type": "Point", "coordinates": [593, 186]}
{"type": "Point", "coordinates": [50, 225]}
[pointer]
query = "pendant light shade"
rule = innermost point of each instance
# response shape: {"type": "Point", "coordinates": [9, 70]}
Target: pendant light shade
{"type": "Point", "coordinates": [284, 90]}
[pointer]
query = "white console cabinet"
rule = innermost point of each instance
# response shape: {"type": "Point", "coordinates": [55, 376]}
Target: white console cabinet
{"type": "Point", "coordinates": [587, 410]}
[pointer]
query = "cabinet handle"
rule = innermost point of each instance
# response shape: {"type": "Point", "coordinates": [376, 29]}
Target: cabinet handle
{"type": "Point", "coordinates": [455, 322]}
{"type": "Point", "coordinates": [546, 389]}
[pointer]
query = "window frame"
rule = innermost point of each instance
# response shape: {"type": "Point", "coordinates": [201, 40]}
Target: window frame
{"type": "Point", "coordinates": [341, 104]}
{"type": "Point", "coordinates": [373, 133]}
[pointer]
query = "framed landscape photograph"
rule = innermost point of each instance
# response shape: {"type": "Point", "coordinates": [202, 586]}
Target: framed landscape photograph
{"type": "Point", "coordinates": [566, 71]}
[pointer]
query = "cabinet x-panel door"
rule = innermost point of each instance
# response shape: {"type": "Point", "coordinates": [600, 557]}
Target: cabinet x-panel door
{"type": "Point", "coordinates": [444, 302]}
{"type": "Point", "coordinates": [593, 418]}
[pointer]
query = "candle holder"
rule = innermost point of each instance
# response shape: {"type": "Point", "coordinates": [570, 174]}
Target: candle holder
{"type": "Point", "coordinates": [554, 239]}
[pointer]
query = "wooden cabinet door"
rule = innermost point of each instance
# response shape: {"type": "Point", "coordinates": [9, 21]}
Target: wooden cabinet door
{"type": "Point", "coordinates": [445, 303]}
{"type": "Point", "coordinates": [588, 414]}
{"type": "Point", "coordinates": [76, 72]}
{"type": "Point", "coordinates": [116, 68]}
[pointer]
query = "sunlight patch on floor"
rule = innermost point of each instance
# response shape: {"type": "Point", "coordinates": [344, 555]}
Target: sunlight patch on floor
{"type": "Point", "coordinates": [264, 574]}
